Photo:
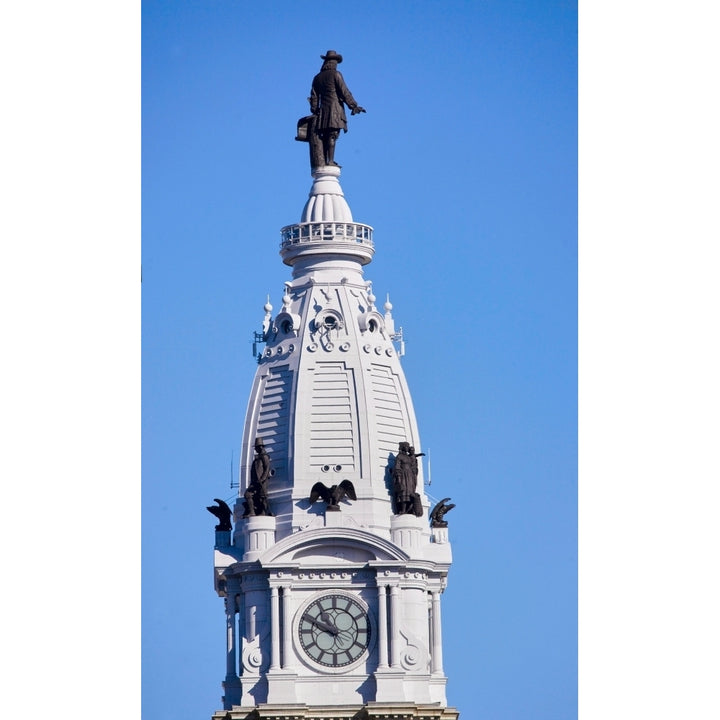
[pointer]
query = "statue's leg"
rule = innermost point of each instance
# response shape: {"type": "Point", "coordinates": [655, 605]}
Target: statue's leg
{"type": "Point", "coordinates": [249, 503]}
{"type": "Point", "coordinates": [330, 138]}
{"type": "Point", "coordinates": [317, 147]}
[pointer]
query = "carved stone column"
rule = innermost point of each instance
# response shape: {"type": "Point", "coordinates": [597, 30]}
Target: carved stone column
{"type": "Point", "coordinates": [287, 653]}
{"type": "Point", "coordinates": [231, 657]}
{"type": "Point", "coordinates": [274, 628]}
{"type": "Point", "coordinates": [436, 660]}
{"type": "Point", "coordinates": [382, 627]}
{"type": "Point", "coordinates": [394, 626]}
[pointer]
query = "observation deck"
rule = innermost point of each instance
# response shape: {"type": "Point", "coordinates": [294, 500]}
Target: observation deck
{"type": "Point", "coordinates": [326, 227]}
{"type": "Point", "coordinates": [313, 238]}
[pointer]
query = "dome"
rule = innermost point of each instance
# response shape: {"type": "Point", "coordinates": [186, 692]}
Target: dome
{"type": "Point", "coordinates": [326, 202]}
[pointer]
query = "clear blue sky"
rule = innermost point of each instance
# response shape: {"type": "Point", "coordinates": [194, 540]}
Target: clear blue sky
{"type": "Point", "coordinates": [466, 166]}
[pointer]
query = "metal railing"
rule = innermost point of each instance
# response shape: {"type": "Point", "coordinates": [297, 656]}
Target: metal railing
{"type": "Point", "coordinates": [319, 232]}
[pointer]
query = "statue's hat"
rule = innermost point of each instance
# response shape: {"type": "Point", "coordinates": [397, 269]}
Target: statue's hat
{"type": "Point", "coordinates": [332, 55]}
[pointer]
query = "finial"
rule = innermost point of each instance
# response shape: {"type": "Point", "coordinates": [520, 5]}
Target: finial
{"type": "Point", "coordinates": [389, 322]}
{"type": "Point", "coordinates": [268, 315]}
{"type": "Point", "coordinates": [371, 297]}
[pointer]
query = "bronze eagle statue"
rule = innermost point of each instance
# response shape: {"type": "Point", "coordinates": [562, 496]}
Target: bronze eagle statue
{"type": "Point", "coordinates": [223, 513]}
{"type": "Point", "coordinates": [334, 494]}
{"type": "Point", "coordinates": [438, 513]}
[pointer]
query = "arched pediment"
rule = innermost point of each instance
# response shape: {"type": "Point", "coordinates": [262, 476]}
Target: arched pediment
{"type": "Point", "coordinates": [333, 545]}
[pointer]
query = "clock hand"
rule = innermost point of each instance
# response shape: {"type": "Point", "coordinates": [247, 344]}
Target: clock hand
{"type": "Point", "coordinates": [343, 639]}
{"type": "Point", "coordinates": [329, 620]}
{"type": "Point", "coordinates": [326, 626]}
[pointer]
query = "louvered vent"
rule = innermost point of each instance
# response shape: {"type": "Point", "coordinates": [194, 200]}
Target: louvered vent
{"type": "Point", "coordinates": [273, 417]}
{"type": "Point", "coordinates": [333, 423]}
{"type": "Point", "coordinates": [392, 426]}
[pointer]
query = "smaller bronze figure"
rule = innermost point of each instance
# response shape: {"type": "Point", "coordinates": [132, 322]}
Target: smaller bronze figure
{"type": "Point", "coordinates": [404, 479]}
{"type": "Point", "coordinates": [332, 495]}
{"type": "Point", "coordinates": [223, 513]}
{"type": "Point", "coordinates": [328, 96]}
{"type": "Point", "coordinates": [438, 513]}
{"type": "Point", "coordinates": [256, 498]}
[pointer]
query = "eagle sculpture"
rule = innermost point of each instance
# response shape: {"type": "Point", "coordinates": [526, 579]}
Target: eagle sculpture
{"type": "Point", "coordinates": [223, 513]}
{"type": "Point", "coordinates": [437, 516]}
{"type": "Point", "coordinates": [332, 495]}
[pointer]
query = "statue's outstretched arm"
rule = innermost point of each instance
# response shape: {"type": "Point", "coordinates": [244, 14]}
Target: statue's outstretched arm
{"type": "Point", "coordinates": [345, 95]}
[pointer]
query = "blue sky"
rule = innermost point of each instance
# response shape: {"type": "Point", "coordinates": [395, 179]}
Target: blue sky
{"type": "Point", "coordinates": [466, 166]}
{"type": "Point", "coordinates": [174, 148]}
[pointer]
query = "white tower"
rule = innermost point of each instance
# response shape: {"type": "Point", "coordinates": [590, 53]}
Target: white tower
{"type": "Point", "coordinates": [332, 608]}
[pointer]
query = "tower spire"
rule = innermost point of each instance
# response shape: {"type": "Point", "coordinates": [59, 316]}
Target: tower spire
{"type": "Point", "coordinates": [332, 569]}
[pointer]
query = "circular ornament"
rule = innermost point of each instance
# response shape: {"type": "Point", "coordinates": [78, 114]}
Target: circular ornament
{"type": "Point", "coordinates": [253, 659]}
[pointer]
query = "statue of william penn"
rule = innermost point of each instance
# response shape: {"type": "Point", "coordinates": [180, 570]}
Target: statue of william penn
{"type": "Point", "coordinates": [328, 97]}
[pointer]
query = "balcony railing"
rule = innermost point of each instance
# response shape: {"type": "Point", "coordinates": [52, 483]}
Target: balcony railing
{"type": "Point", "coordinates": [322, 232]}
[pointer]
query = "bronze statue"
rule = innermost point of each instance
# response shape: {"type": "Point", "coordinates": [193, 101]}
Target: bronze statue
{"type": "Point", "coordinates": [404, 479]}
{"type": "Point", "coordinates": [328, 96]}
{"type": "Point", "coordinates": [223, 513]}
{"type": "Point", "coordinates": [438, 513]}
{"type": "Point", "coordinates": [332, 495]}
{"type": "Point", "coordinates": [256, 499]}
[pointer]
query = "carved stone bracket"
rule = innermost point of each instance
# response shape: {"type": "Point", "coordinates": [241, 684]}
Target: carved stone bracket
{"type": "Point", "coordinates": [253, 660]}
{"type": "Point", "coordinates": [414, 656]}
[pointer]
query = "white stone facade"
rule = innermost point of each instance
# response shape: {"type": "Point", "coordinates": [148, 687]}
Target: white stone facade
{"type": "Point", "coordinates": [331, 403]}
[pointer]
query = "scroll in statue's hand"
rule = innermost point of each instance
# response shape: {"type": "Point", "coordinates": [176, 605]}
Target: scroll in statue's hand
{"type": "Point", "coordinates": [357, 110]}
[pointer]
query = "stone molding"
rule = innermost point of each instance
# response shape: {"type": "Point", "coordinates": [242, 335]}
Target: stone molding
{"type": "Point", "coordinates": [370, 711]}
{"type": "Point", "coordinates": [382, 549]}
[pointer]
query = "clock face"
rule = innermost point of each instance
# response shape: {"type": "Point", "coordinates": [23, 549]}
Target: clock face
{"type": "Point", "coordinates": [334, 630]}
